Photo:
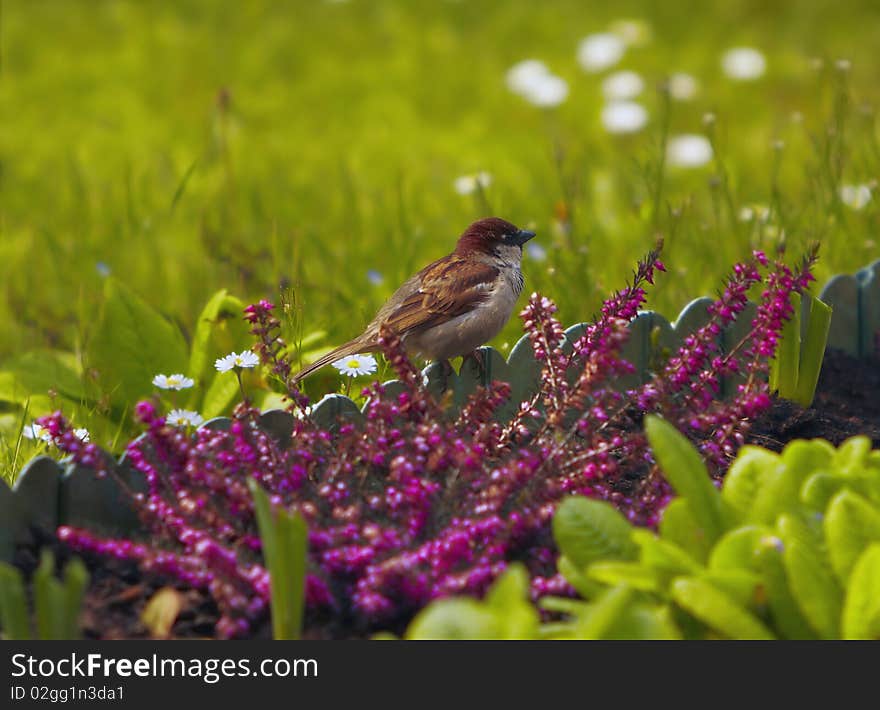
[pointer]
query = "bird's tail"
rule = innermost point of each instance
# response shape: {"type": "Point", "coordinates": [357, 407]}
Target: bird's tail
{"type": "Point", "coordinates": [352, 347]}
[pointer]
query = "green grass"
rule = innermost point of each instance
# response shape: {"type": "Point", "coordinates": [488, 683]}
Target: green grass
{"type": "Point", "coordinates": [191, 146]}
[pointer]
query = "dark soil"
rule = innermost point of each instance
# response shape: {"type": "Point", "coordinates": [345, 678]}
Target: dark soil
{"type": "Point", "coordinates": [847, 404]}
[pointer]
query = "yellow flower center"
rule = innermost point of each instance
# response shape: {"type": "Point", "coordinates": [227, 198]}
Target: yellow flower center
{"type": "Point", "coordinates": [354, 363]}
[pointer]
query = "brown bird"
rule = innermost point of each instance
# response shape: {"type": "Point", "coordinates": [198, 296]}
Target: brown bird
{"type": "Point", "coordinates": [456, 304]}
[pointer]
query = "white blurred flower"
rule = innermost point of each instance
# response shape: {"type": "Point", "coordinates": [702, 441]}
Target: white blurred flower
{"type": "Point", "coordinates": [624, 117]}
{"type": "Point", "coordinates": [622, 85]}
{"type": "Point", "coordinates": [468, 184]}
{"type": "Point", "coordinates": [375, 277]}
{"type": "Point", "coordinates": [522, 76]}
{"type": "Point", "coordinates": [173, 382]}
{"type": "Point", "coordinates": [598, 52]}
{"type": "Point", "coordinates": [536, 252]}
{"type": "Point", "coordinates": [550, 91]}
{"type": "Point", "coordinates": [355, 365]}
{"type": "Point", "coordinates": [758, 212]}
{"type": "Point", "coordinates": [246, 358]}
{"type": "Point", "coordinates": [183, 418]}
{"type": "Point", "coordinates": [689, 150]}
{"type": "Point", "coordinates": [855, 196]}
{"type": "Point", "coordinates": [37, 432]}
{"type": "Point", "coordinates": [843, 65]}
{"type": "Point", "coordinates": [682, 86]}
{"type": "Point", "coordinates": [743, 63]}
{"type": "Point", "coordinates": [634, 33]}
{"type": "Point", "coordinates": [83, 435]}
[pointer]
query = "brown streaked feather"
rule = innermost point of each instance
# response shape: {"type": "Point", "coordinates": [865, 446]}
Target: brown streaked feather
{"type": "Point", "coordinates": [449, 287]}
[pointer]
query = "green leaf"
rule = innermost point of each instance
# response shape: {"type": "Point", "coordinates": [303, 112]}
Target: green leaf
{"type": "Point", "coordinates": [685, 470]}
{"type": "Point", "coordinates": [509, 598]}
{"type": "Point", "coordinates": [820, 488]}
{"type": "Point", "coordinates": [745, 478]}
{"type": "Point", "coordinates": [285, 548]}
{"type": "Point", "coordinates": [780, 492]}
{"type": "Point", "coordinates": [679, 526]}
{"type": "Point", "coordinates": [861, 610]}
{"type": "Point", "coordinates": [852, 456]}
{"type": "Point", "coordinates": [14, 616]}
{"type": "Point", "coordinates": [813, 587]}
{"type": "Point", "coordinates": [717, 610]}
{"type": "Point", "coordinates": [38, 372]}
{"type": "Point", "coordinates": [739, 548]}
{"type": "Point", "coordinates": [76, 580]}
{"type": "Point", "coordinates": [220, 395]}
{"type": "Point", "coordinates": [741, 585]}
{"type": "Point", "coordinates": [667, 559]}
{"type": "Point", "coordinates": [588, 530]}
{"type": "Point", "coordinates": [812, 349]}
{"type": "Point", "coordinates": [851, 524]}
{"type": "Point", "coordinates": [785, 365]}
{"type": "Point", "coordinates": [604, 613]}
{"type": "Point", "coordinates": [454, 619]}
{"type": "Point", "coordinates": [645, 622]}
{"type": "Point", "coordinates": [577, 578]}
{"type": "Point", "coordinates": [784, 608]}
{"type": "Point", "coordinates": [630, 574]}
{"type": "Point", "coordinates": [131, 344]}
{"type": "Point", "coordinates": [49, 603]}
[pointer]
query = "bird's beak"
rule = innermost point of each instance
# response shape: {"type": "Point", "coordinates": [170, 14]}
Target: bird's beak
{"type": "Point", "coordinates": [522, 236]}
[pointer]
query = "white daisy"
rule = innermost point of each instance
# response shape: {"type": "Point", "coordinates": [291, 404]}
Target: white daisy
{"type": "Point", "coordinates": [600, 51]}
{"type": "Point", "coordinates": [83, 435]}
{"type": "Point", "coordinates": [355, 365]}
{"type": "Point", "coordinates": [689, 150]}
{"type": "Point", "coordinates": [244, 359]}
{"type": "Point", "coordinates": [683, 87]}
{"type": "Point", "coordinates": [743, 63]}
{"type": "Point", "coordinates": [624, 117]}
{"type": "Point", "coordinates": [468, 184]}
{"type": "Point", "coordinates": [173, 382]}
{"type": "Point", "coordinates": [855, 196]}
{"type": "Point", "coordinates": [37, 432]}
{"type": "Point", "coordinates": [622, 85]}
{"type": "Point", "coordinates": [183, 418]}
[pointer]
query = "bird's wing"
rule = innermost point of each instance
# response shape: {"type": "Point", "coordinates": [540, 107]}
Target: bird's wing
{"type": "Point", "coordinates": [441, 291]}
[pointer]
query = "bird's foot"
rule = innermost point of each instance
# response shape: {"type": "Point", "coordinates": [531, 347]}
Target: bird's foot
{"type": "Point", "coordinates": [480, 359]}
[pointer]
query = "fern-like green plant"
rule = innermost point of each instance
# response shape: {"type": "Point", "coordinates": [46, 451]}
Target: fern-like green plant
{"type": "Point", "coordinates": [57, 604]}
{"type": "Point", "coordinates": [285, 548]}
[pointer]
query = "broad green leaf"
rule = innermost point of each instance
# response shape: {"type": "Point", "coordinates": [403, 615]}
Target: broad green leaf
{"type": "Point", "coordinates": [717, 610]}
{"type": "Point", "coordinates": [645, 622]}
{"type": "Point", "coordinates": [588, 530]}
{"type": "Point", "coordinates": [861, 610]}
{"type": "Point", "coordinates": [786, 362]}
{"type": "Point", "coordinates": [454, 619]}
{"type": "Point", "coordinates": [37, 372]}
{"type": "Point", "coordinates": [220, 395]}
{"type": "Point", "coordinates": [132, 343]}
{"type": "Point", "coordinates": [851, 524]}
{"type": "Point", "coordinates": [509, 598]}
{"type": "Point", "coordinates": [739, 548]}
{"type": "Point", "coordinates": [741, 585]}
{"type": "Point", "coordinates": [813, 587]}
{"type": "Point", "coordinates": [577, 578]}
{"type": "Point", "coordinates": [679, 526]}
{"type": "Point", "coordinates": [631, 574]}
{"type": "Point", "coordinates": [49, 603]}
{"type": "Point", "coordinates": [220, 330]}
{"type": "Point", "coordinates": [784, 608]}
{"type": "Point", "coordinates": [685, 470]}
{"type": "Point", "coordinates": [851, 456]}
{"type": "Point", "coordinates": [819, 489]}
{"type": "Point", "coordinates": [162, 611]}
{"type": "Point", "coordinates": [780, 489]}
{"type": "Point", "coordinates": [667, 559]}
{"type": "Point", "coordinates": [745, 477]}
{"type": "Point", "coordinates": [604, 613]}
{"type": "Point", "coordinates": [812, 349]}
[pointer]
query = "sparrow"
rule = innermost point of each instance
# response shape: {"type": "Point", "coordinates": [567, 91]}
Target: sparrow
{"type": "Point", "coordinates": [455, 304]}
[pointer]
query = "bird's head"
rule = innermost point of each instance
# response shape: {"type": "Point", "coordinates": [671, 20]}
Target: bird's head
{"type": "Point", "coordinates": [489, 235]}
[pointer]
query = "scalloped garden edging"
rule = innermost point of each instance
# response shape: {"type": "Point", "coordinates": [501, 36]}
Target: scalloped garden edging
{"type": "Point", "coordinates": [49, 493]}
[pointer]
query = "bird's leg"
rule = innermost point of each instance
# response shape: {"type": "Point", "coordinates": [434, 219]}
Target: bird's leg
{"type": "Point", "coordinates": [480, 360]}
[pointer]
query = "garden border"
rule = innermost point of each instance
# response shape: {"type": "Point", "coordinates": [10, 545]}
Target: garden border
{"type": "Point", "coordinates": [48, 493]}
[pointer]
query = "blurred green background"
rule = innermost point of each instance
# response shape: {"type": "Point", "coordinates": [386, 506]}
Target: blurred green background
{"type": "Point", "coordinates": [312, 148]}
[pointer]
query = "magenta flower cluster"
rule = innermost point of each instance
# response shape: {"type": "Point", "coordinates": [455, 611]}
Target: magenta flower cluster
{"type": "Point", "coordinates": [416, 502]}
